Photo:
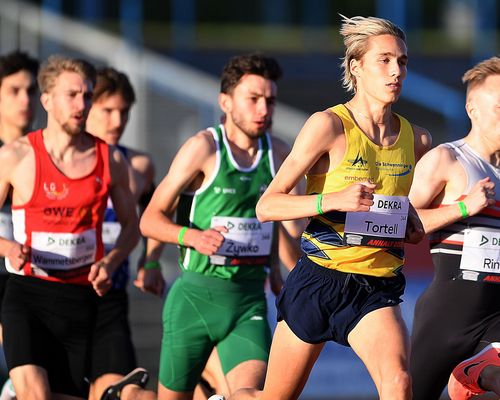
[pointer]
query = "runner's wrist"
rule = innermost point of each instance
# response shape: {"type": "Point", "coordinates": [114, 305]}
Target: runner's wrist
{"type": "Point", "coordinates": [319, 204]}
{"type": "Point", "coordinates": [106, 264]}
{"type": "Point", "coordinates": [463, 209]}
{"type": "Point", "coordinates": [181, 236]}
{"type": "Point", "coordinates": [152, 264]}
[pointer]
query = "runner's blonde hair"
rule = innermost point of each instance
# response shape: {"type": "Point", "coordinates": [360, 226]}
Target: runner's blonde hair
{"type": "Point", "coordinates": [55, 65]}
{"type": "Point", "coordinates": [479, 72]}
{"type": "Point", "coordinates": [356, 31]}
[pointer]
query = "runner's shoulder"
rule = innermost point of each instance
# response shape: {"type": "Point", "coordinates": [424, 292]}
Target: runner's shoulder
{"type": "Point", "coordinates": [16, 150]}
{"type": "Point", "coordinates": [422, 140]}
{"type": "Point", "coordinates": [202, 144]}
{"type": "Point", "coordinates": [13, 154]}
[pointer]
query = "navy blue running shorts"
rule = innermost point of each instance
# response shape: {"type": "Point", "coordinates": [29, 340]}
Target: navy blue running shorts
{"type": "Point", "coordinates": [321, 304]}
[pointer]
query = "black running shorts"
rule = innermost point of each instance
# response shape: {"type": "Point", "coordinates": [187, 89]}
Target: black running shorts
{"type": "Point", "coordinates": [48, 324]}
{"type": "Point", "coordinates": [112, 347]}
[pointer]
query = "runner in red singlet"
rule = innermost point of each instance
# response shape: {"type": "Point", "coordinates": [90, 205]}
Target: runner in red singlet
{"type": "Point", "coordinates": [61, 178]}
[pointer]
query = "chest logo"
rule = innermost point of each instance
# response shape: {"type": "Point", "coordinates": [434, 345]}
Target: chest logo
{"type": "Point", "coordinates": [219, 190]}
{"type": "Point", "coordinates": [54, 191]}
{"type": "Point", "coordinates": [359, 160]}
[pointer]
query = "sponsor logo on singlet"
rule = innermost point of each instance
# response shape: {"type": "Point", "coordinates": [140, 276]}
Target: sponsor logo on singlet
{"type": "Point", "coordinates": [219, 190]}
{"type": "Point", "coordinates": [358, 163]}
{"type": "Point", "coordinates": [53, 191]}
{"type": "Point", "coordinates": [390, 169]}
{"type": "Point", "coordinates": [67, 215]}
{"type": "Point", "coordinates": [351, 178]}
{"type": "Point", "coordinates": [394, 169]}
{"type": "Point", "coordinates": [359, 160]}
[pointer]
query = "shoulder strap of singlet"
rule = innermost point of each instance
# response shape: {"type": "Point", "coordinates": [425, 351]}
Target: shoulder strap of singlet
{"type": "Point", "coordinates": [270, 155]}
{"type": "Point", "coordinates": [216, 135]}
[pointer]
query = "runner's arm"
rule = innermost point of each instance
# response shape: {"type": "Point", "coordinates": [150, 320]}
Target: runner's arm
{"type": "Point", "coordinates": [422, 141]}
{"type": "Point", "coordinates": [415, 231]}
{"type": "Point", "coordinates": [289, 232]}
{"type": "Point", "coordinates": [11, 157]}
{"type": "Point", "coordinates": [433, 177]}
{"type": "Point", "coordinates": [316, 138]}
{"type": "Point", "coordinates": [275, 278]}
{"type": "Point", "coordinates": [289, 248]}
{"type": "Point", "coordinates": [124, 206]}
{"type": "Point", "coordinates": [190, 164]}
{"type": "Point", "coordinates": [149, 275]}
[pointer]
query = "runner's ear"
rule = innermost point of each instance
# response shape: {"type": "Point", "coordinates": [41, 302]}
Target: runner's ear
{"type": "Point", "coordinates": [225, 102]}
{"type": "Point", "coordinates": [45, 99]}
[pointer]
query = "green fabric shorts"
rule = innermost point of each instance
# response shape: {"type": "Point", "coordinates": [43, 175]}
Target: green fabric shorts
{"type": "Point", "coordinates": [202, 312]}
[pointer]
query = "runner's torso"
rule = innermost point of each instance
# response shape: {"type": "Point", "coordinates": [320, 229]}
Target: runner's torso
{"type": "Point", "coordinates": [473, 243]}
{"type": "Point", "coordinates": [62, 221]}
{"type": "Point", "coordinates": [364, 243]}
{"type": "Point", "coordinates": [229, 199]}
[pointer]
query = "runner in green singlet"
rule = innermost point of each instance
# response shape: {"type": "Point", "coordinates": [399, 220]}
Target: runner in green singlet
{"type": "Point", "coordinates": [213, 186]}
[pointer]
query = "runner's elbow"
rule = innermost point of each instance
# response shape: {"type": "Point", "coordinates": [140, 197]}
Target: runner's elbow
{"type": "Point", "coordinates": [262, 211]}
{"type": "Point", "coordinates": [145, 226]}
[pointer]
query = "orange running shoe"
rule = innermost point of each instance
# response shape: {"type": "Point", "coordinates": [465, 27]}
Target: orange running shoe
{"type": "Point", "coordinates": [463, 383]}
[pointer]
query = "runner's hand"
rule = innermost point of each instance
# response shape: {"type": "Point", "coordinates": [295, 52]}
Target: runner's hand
{"type": "Point", "coordinates": [355, 197]}
{"type": "Point", "coordinates": [150, 281]}
{"type": "Point", "coordinates": [481, 195]}
{"type": "Point", "coordinates": [209, 241]}
{"type": "Point", "coordinates": [18, 255]}
{"type": "Point", "coordinates": [415, 231]}
{"type": "Point", "coordinates": [99, 277]}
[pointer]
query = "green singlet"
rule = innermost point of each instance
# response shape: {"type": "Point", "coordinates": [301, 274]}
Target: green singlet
{"type": "Point", "coordinates": [229, 199]}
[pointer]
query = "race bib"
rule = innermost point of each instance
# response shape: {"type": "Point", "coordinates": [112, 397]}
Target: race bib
{"type": "Point", "coordinates": [63, 251]}
{"type": "Point", "coordinates": [246, 237]}
{"type": "Point", "coordinates": [6, 228]}
{"type": "Point", "coordinates": [383, 226]}
{"type": "Point", "coordinates": [110, 233]}
{"type": "Point", "coordinates": [481, 255]}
